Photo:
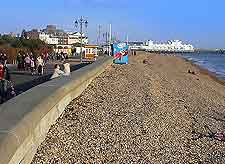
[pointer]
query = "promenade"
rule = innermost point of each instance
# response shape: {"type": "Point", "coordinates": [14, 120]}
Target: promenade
{"type": "Point", "coordinates": [141, 113]}
{"type": "Point", "coordinates": [23, 80]}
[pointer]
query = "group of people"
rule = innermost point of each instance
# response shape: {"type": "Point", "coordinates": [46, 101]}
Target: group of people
{"type": "Point", "coordinates": [31, 63]}
{"type": "Point", "coordinates": [61, 56]}
{"type": "Point", "coordinates": [27, 62]}
{"type": "Point", "coordinates": [7, 90]}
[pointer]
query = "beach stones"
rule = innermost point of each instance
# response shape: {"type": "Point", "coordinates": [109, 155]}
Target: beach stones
{"type": "Point", "coordinates": [140, 113]}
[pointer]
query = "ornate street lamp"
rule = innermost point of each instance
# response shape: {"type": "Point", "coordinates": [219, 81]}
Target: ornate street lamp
{"type": "Point", "coordinates": [86, 23]}
{"type": "Point", "coordinates": [76, 23]}
{"type": "Point", "coordinates": [80, 22]}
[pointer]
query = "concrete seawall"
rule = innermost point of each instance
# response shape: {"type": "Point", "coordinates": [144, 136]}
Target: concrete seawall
{"type": "Point", "coordinates": [26, 119]}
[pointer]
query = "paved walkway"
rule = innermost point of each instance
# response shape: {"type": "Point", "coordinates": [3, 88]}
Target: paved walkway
{"type": "Point", "coordinates": [19, 77]}
{"type": "Point", "coordinates": [23, 80]}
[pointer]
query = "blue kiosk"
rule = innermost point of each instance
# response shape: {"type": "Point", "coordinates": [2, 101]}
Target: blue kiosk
{"type": "Point", "coordinates": [120, 53]}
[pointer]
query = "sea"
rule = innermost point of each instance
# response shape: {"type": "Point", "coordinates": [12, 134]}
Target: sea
{"type": "Point", "coordinates": [215, 63]}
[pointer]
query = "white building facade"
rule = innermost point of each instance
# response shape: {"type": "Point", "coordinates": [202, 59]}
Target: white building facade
{"type": "Point", "coordinates": [64, 43]}
{"type": "Point", "coordinates": [170, 46]}
{"type": "Point", "coordinates": [48, 39]}
{"type": "Point", "coordinates": [74, 38]}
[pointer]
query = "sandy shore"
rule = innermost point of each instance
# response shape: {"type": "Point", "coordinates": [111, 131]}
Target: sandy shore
{"type": "Point", "coordinates": [141, 113]}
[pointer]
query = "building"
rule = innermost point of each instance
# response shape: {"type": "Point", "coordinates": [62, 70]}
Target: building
{"type": "Point", "coordinates": [61, 40]}
{"type": "Point", "coordinates": [170, 46]}
{"type": "Point", "coordinates": [33, 34]}
{"type": "Point", "coordinates": [52, 29]}
{"type": "Point", "coordinates": [48, 39]}
{"type": "Point", "coordinates": [74, 38]}
{"type": "Point", "coordinates": [136, 45]}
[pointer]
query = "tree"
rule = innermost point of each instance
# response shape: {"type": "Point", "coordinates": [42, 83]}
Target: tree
{"type": "Point", "coordinates": [2, 41]}
{"type": "Point", "coordinates": [17, 43]}
{"type": "Point", "coordinates": [8, 39]}
{"type": "Point", "coordinates": [31, 44]}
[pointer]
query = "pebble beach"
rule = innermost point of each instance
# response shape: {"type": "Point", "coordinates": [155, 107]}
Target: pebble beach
{"type": "Point", "coordinates": [144, 112]}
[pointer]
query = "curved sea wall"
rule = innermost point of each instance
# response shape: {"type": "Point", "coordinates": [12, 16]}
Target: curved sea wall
{"type": "Point", "coordinates": [26, 119]}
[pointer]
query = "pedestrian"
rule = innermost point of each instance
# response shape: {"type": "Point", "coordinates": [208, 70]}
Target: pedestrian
{"type": "Point", "coordinates": [7, 90]}
{"type": "Point", "coordinates": [32, 66]}
{"type": "Point", "coordinates": [19, 61]}
{"type": "Point", "coordinates": [35, 61]}
{"type": "Point", "coordinates": [57, 72]}
{"type": "Point", "coordinates": [57, 56]}
{"type": "Point", "coordinates": [1, 71]}
{"type": "Point", "coordinates": [63, 58]}
{"type": "Point", "coordinates": [6, 75]}
{"type": "Point", "coordinates": [4, 59]}
{"type": "Point", "coordinates": [66, 56]}
{"type": "Point", "coordinates": [1, 57]}
{"type": "Point", "coordinates": [31, 55]}
{"type": "Point", "coordinates": [23, 61]}
{"type": "Point", "coordinates": [27, 62]}
{"type": "Point", "coordinates": [40, 65]}
{"type": "Point", "coordinates": [2, 84]}
{"type": "Point", "coordinates": [46, 56]}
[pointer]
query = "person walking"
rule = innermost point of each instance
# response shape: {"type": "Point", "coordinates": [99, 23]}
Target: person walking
{"type": "Point", "coordinates": [46, 56]}
{"type": "Point", "coordinates": [19, 61]}
{"type": "Point", "coordinates": [6, 75]}
{"type": "Point", "coordinates": [40, 64]}
{"type": "Point", "coordinates": [23, 62]}
{"type": "Point", "coordinates": [32, 66]}
{"type": "Point", "coordinates": [27, 62]}
{"type": "Point", "coordinates": [62, 57]}
{"type": "Point", "coordinates": [1, 71]}
{"type": "Point", "coordinates": [1, 57]}
{"type": "Point", "coordinates": [2, 84]}
{"type": "Point", "coordinates": [8, 88]}
{"type": "Point", "coordinates": [4, 59]}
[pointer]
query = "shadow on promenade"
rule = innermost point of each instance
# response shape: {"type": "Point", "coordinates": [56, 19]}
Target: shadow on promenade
{"type": "Point", "coordinates": [42, 79]}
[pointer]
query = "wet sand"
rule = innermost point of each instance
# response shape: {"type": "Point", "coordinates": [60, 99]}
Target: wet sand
{"type": "Point", "coordinates": [142, 113]}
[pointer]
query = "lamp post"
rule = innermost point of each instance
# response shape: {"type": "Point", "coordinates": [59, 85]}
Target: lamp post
{"type": "Point", "coordinates": [81, 21]}
{"type": "Point", "coordinates": [106, 36]}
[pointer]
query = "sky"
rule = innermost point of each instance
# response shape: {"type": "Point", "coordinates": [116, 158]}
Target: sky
{"type": "Point", "coordinates": [198, 22]}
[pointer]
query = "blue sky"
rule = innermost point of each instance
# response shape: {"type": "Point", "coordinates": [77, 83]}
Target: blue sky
{"type": "Point", "coordinates": [200, 22]}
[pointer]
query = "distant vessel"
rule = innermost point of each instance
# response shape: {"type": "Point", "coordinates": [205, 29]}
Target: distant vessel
{"type": "Point", "coordinates": [170, 46]}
